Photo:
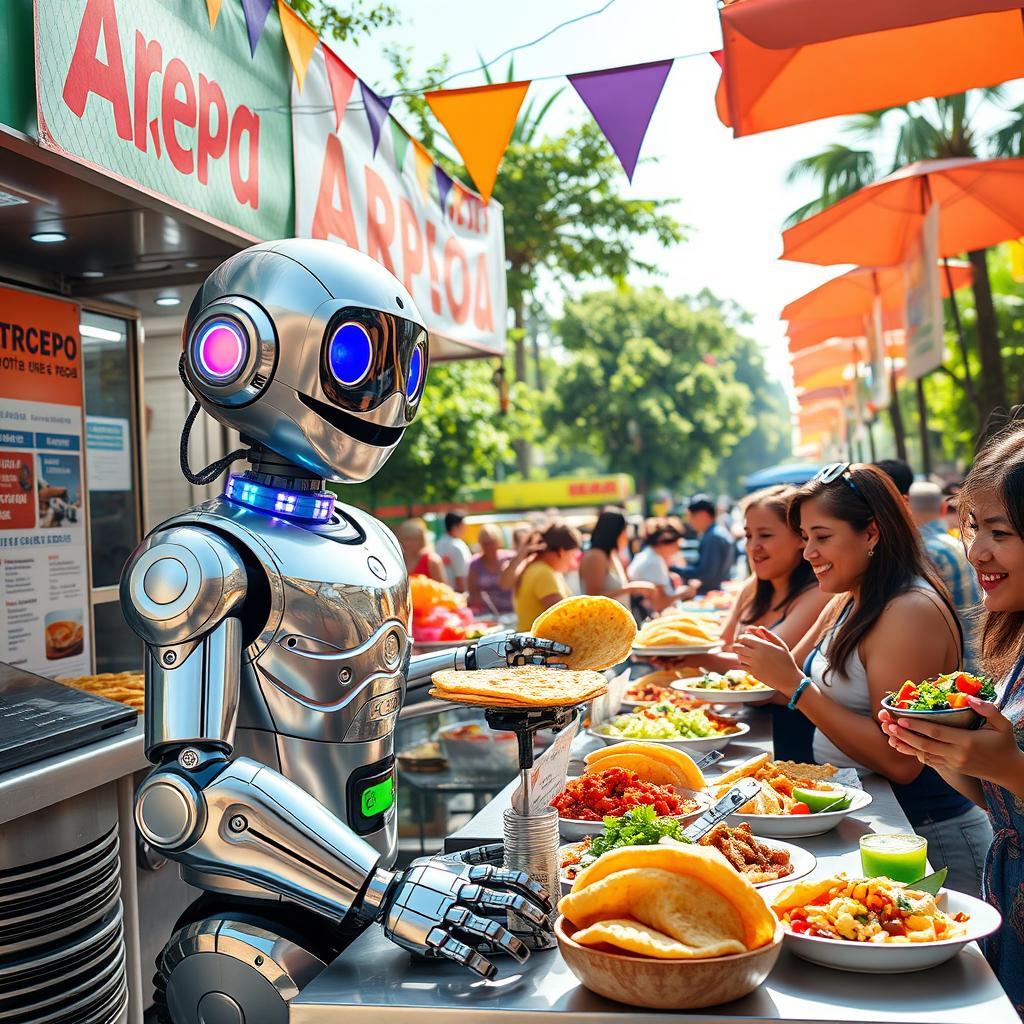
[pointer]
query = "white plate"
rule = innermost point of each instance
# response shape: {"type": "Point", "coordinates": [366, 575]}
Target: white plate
{"type": "Point", "coordinates": [803, 862]}
{"type": "Point", "coordinates": [793, 826]}
{"type": "Point", "coordinates": [700, 746]}
{"type": "Point", "coordinates": [574, 829]}
{"type": "Point", "coordinates": [676, 650]}
{"type": "Point", "coordinates": [710, 696]}
{"type": "Point", "coordinates": [889, 958]}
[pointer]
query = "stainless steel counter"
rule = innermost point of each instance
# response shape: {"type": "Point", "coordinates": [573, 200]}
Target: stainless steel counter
{"type": "Point", "coordinates": [374, 981]}
{"type": "Point", "coordinates": [34, 786]}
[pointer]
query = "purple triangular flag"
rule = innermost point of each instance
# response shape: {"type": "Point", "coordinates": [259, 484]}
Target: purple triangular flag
{"type": "Point", "coordinates": [444, 185]}
{"type": "Point", "coordinates": [376, 110]}
{"type": "Point", "coordinates": [255, 12]}
{"type": "Point", "coordinates": [622, 101]}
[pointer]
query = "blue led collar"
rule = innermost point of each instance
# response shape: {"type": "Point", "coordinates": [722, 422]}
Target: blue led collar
{"type": "Point", "coordinates": [309, 506]}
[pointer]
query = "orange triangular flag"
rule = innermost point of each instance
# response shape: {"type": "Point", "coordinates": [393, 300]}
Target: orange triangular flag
{"type": "Point", "coordinates": [479, 121]}
{"type": "Point", "coordinates": [212, 10]}
{"type": "Point", "coordinates": [424, 167]}
{"type": "Point", "coordinates": [300, 39]}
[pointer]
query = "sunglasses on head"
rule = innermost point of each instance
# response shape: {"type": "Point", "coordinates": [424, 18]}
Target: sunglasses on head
{"type": "Point", "coordinates": [838, 471]}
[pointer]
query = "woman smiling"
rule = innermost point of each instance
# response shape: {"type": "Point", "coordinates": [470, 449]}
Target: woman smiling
{"type": "Point", "coordinates": [890, 620]}
{"type": "Point", "coordinates": [987, 764]}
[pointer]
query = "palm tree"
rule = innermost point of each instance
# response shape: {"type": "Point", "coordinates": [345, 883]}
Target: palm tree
{"type": "Point", "coordinates": [931, 129]}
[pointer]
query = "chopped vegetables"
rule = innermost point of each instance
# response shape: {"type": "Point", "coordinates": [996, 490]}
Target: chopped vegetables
{"type": "Point", "coordinates": [663, 721]}
{"type": "Point", "coordinates": [942, 693]}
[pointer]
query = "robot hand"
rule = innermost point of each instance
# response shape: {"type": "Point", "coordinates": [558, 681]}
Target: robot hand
{"type": "Point", "coordinates": [437, 906]}
{"type": "Point", "coordinates": [506, 649]}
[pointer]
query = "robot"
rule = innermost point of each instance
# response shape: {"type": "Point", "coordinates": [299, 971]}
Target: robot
{"type": "Point", "coordinates": [276, 627]}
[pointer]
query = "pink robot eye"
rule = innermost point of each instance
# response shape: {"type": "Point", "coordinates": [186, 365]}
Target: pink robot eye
{"type": "Point", "coordinates": [220, 350]}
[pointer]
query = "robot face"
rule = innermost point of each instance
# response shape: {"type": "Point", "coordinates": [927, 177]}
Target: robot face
{"type": "Point", "coordinates": [311, 349]}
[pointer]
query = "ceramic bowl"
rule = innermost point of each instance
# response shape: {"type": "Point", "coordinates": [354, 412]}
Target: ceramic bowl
{"type": "Point", "coordinates": [698, 746]}
{"type": "Point", "coordinates": [666, 984]}
{"type": "Point", "coordinates": [955, 718]}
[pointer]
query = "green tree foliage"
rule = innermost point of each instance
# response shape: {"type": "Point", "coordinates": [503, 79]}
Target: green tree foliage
{"type": "Point", "coordinates": [926, 130]}
{"type": "Point", "coordinates": [456, 440]}
{"type": "Point", "coordinates": [651, 383]}
{"type": "Point", "coordinates": [346, 22]}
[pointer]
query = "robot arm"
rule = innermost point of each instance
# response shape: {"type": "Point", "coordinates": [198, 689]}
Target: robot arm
{"type": "Point", "coordinates": [183, 592]}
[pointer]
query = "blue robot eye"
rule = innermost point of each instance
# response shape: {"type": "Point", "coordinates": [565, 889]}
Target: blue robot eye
{"type": "Point", "coordinates": [350, 355]}
{"type": "Point", "coordinates": [415, 376]}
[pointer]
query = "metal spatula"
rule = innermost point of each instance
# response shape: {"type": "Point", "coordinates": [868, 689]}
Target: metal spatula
{"type": "Point", "coordinates": [744, 791]}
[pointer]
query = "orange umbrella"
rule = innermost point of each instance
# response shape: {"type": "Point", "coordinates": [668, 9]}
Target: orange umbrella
{"type": "Point", "coordinates": [981, 203]}
{"type": "Point", "coordinates": [790, 61]}
{"type": "Point", "coordinates": [824, 358]}
{"type": "Point", "coordinates": [805, 334]}
{"type": "Point", "coordinates": [853, 293]}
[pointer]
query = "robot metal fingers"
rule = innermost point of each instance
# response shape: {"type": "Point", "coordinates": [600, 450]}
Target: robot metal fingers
{"type": "Point", "coordinates": [514, 649]}
{"type": "Point", "coordinates": [441, 906]}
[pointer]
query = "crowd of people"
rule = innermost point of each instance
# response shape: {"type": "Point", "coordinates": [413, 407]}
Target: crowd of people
{"type": "Point", "coordinates": [859, 580]}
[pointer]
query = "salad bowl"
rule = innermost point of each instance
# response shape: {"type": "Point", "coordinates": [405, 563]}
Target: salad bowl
{"type": "Point", "coordinates": [942, 699]}
{"type": "Point", "coordinates": [697, 745]}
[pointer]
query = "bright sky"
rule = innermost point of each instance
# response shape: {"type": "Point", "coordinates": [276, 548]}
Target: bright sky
{"type": "Point", "coordinates": [732, 192]}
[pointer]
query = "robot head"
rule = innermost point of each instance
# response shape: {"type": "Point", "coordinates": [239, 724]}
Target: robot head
{"type": "Point", "coordinates": [311, 349]}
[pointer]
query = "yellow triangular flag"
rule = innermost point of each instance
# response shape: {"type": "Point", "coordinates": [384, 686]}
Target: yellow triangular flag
{"type": "Point", "coordinates": [479, 121]}
{"type": "Point", "coordinates": [300, 39]}
{"type": "Point", "coordinates": [424, 167]}
{"type": "Point", "coordinates": [212, 10]}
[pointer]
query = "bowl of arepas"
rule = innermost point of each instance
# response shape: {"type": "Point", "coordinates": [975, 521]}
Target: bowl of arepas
{"type": "Point", "coordinates": [667, 927]}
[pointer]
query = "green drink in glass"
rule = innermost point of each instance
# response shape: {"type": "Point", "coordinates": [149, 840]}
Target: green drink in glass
{"type": "Point", "coordinates": [901, 856]}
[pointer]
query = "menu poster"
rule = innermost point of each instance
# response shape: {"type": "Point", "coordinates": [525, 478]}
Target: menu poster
{"type": "Point", "coordinates": [44, 584]}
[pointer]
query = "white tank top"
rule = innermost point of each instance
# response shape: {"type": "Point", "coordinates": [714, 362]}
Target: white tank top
{"type": "Point", "coordinates": [849, 688]}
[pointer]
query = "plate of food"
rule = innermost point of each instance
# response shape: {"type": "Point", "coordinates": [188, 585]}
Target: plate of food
{"type": "Point", "coordinates": [667, 927]}
{"type": "Point", "coordinates": [878, 926]}
{"type": "Point", "coordinates": [657, 686]}
{"type": "Point", "coordinates": [590, 799]}
{"type": "Point", "coordinates": [693, 730]}
{"type": "Point", "coordinates": [762, 861]}
{"type": "Point", "coordinates": [796, 800]}
{"type": "Point", "coordinates": [733, 687]}
{"type": "Point", "coordinates": [942, 699]}
{"type": "Point", "coordinates": [676, 633]}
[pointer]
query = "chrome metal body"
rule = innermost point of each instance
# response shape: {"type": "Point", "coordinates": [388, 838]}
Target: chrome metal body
{"type": "Point", "coordinates": [278, 648]}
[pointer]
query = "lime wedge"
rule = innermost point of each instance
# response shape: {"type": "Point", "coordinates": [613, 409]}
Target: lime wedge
{"type": "Point", "coordinates": [821, 799]}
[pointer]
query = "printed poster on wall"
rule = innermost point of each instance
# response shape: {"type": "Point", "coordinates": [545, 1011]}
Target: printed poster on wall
{"type": "Point", "coordinates": [925, 326]}
{"type": "Point", "coordinates": [44, 624]}
{"type": "Point", "coordinates": [440, 240]}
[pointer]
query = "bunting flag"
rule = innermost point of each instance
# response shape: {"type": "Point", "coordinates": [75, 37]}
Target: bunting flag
{"type": "Point", "coordinates": [622, 101]}
{"type": "Point", "coordinates": [400, 141]}
{"type": "Point", "coordinates": [255, 12]}
{"type": "Point", "coordinates": [424, 166]}
{"type": "Point", "coordinates": [719, 56]}
{"type": "Point", "coordinates": [341, 80]}
{"type": "Point", "coordinates": [444, 185]}
{"type": "Point", "coordinates": [376, 110]}
{"type": "Point", "coordinates": [480, 121]}
{"type": "Point", "coordinates": [212, 11]}
{"type": "Point", "coordinates": [300, 39]}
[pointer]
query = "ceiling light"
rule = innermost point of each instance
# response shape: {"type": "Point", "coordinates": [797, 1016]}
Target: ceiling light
{"type": "Point", "coordinates": [168, 300]}
{"type": "Point", "coordinates": [92, 273]}
{"type": "Point", "coordinates": [100, 333]}
{"type": "Point", "coordinates": [49, 237]}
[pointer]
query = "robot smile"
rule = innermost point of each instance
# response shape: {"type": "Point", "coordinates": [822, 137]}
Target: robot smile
{"type": "Point", "coordinates": [368, 433]}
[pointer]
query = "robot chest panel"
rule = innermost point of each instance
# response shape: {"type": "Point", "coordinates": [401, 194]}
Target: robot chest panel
{"type": "Point", "coordinates": [336, 666]}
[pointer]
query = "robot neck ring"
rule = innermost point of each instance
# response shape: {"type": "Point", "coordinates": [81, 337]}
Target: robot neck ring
{"type": "Point", "coordinates": [298, 506]}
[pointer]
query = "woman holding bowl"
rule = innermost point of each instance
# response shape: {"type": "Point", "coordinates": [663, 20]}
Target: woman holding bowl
{"type": "Point", "coordinates": [987, 764]}
{"type": "Point", "coordinates": [890, 620]}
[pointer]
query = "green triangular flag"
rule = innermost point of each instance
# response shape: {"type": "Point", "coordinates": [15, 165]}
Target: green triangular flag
{"type": "Point", "coordinates": [401, 143]}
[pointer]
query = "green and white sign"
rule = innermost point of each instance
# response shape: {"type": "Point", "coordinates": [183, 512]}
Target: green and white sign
{"type": "Point", "coordinates": [148, 92]}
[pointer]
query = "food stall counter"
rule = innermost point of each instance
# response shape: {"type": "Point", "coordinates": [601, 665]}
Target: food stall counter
{"type": "Point", "coordinates": [374, 981]}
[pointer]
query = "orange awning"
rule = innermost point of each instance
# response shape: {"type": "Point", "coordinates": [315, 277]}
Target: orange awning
{"type": "Point", "coordinates": [840, 353]}
{"type": "Point", "coordinates": [854, 292]}
{"type": "Point", "coordinates": [791, 61]}
{"type": "Point", "coordinates": [839, 375]}
{"type": "Point", "coordinates": [981, 203]}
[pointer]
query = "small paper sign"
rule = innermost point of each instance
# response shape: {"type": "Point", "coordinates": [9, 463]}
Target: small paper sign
{"type": "Point", "coordinates": [608, 706]}
{"type": "Point", "coordinates": [547, 776]}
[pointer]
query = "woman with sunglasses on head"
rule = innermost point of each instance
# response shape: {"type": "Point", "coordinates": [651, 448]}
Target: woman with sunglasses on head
{"type": "Point", "coordinates": [890, 620]}
{"type": "Point", "coordinates": [987, 764]}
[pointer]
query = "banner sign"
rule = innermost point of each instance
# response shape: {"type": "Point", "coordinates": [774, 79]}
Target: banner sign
{"type": "Point", "coordinates": [564, 491]}
{"type": "Point", "coordinates": [390, 201]}
{"type": "Point", "coordinates": [149, 93]}
{"type": "Point", "coordinates": [925, 326]}
{"type": "Point", "coordinates": [44, 622]}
